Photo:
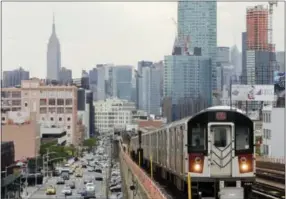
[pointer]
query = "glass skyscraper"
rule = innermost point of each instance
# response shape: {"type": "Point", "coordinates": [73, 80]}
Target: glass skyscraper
{"type": "Point", "coordinates": [123, 82]}
{"type": "Point", "coordinates": [187, 82]}
{"type": "Point", "coordinates": [198, 21]}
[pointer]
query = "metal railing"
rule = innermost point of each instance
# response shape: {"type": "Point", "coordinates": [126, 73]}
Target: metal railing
{"type": "Point", "coordinates": [149, 186]}
{"type": "Point", "coordinates": [271, 159]}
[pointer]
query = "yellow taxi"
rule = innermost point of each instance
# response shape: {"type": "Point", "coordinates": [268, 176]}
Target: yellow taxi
{"type": "Point", "coordinates": [78, 173]}
{"type": "Point", "coordinates": [73, 167]}
{"type": "Point", "coordinates": [51, 190]}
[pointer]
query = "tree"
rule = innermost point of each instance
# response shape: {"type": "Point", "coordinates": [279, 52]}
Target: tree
{"type": "Point", "coordinates": [59, 152]}
{"type": "Point", "coordinates": [45, 146]}
{"type": "Point", "coordinates": [70, 150]}
{"type": "Point", "coordinates": [89, 143]}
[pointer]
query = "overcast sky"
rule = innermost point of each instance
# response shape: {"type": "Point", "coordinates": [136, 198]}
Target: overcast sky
{"type": "Point", "coordinates": [119, 33]}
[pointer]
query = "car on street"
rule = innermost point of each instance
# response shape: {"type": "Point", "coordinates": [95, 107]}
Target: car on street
{"type": "Point", "coordinates": [116, 188]}
{"type": "Point", "coordinates": [90, 169]}
{"type": "Point", "coordinates": [72, 184]}
{"type": "Point", "coordinates": [99, 178]}
{"type": "Point", "coordinates": [81, 191]}
{"type": "Point", "coordinates": [79, 173]}
{"type": "Point", "coordinates": [115, 173]}
{"type": "Point", "coordinates": [88, 195]}
{"type": "Point", "coordinates": [67, 191]}
{"type": "Point", "coordinates": [97, 170]}
{"type": "Point", "coordinates": [90, 187]}
{"type": "Point", "coordinates": [87, 180]}
{"type": "Point", "coordinates": [60, 180]}
{"type": "Point", "coordinates": [51, 190]}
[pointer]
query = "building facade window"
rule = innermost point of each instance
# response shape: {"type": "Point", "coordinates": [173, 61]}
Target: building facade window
{"type": "Point", "coordinates": [60, 102]}
{"type": "Point", "coordinates": [68, 101]}
{"type": "Point", "coordinates": [52, 110]}
{"type": "Point", "coordinates": [52, 102]}
{"type": "Point", "coordinates": [43, 102]}
{"type": "Point", "coordinates": [60, 110]}
{"type": "Point", "coordinates": [43, 110]}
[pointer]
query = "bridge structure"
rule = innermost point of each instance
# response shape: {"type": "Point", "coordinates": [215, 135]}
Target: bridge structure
{"type": "Point", "coordinates": [138, 184]}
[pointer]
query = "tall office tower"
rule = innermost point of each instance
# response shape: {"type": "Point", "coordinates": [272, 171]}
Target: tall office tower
{"type": "Point", "coordinates": [123, 79]}
{"type": "Point", "coordinates": [85, 80]}
{"type": "Point", "coordinates": [14, 77]}
{"type": "Point", "coordinates": [235, 60]}
{"type": "Point", "coordinates": [65, 75]}
{"type": "Point", "coordinates": [222, 61]}
{"type": "Point", "coordinates": [280, 57]}
{"type": "Point", "coordinates": [93, 82]}
{"type": "Point", "coordinates": [93, 76]}
{"type": "Point", "coordinates": [243, 57]}
{"type": "Point", "coordinates": [259, 52]}
{"type": "Point", "coordinates": [53, 56]}
{"type": "Point", "coordinates": [187, 85]}
{"type": "Point", "coordinates": [134, 90]}
{"type": "Point", "coordinates": [257, 28]}
{"type": "Point", "coordinates": [223, 54]}
{"type": "Point", "coordinates": [142, 64]}
{"type": "Point", "coordinates": [150, 90]}
{"type": "Point", "coordinates": [160, 66]}
{"type": "Point", "coordinates": [102, 76]}
{"type": "Point", "coordinates": [197, 26]}
{"type": "Point", "coordinates": [138, 76]}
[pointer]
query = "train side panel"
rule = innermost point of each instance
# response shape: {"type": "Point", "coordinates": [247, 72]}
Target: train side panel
{"type": "Point", "coordinates": [165, 147]}
{"type": "Point", "coordinates": [177, 149]}
{"type": "Point", "coordinates": [173, 149]}
{"type": "Point", "coordinates": [167, 135]}
{"type": "Point", "coordinates": [185, 149]}
{"type": "Point", "coordinates": [160, 148]}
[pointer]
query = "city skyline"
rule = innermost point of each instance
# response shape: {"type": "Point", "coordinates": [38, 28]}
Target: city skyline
{"type": "Point", "coordinates": [84, 45]}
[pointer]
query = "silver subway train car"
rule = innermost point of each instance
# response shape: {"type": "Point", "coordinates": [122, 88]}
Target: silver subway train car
{"type": "Point", "coordinates": [216, 147]}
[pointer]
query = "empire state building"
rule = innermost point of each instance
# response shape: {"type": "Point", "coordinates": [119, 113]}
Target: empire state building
{"type": "Point", "coordinates": [53, 56]}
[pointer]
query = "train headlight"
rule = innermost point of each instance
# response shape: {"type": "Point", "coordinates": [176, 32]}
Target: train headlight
{"type": "Point", "coordinates": [245, 163]}
{"type": "Point", "coordinates": [196, 163]}
{"type": "Point", "coordinates": [244, 167]}
{"type": "Point", "coordinates": [197, 167]}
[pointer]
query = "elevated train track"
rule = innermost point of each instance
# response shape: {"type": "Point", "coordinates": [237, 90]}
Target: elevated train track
{"type": "Point", "coordinates": [270, 183]}
{"type": "Point", "coordinates": [267, 190]}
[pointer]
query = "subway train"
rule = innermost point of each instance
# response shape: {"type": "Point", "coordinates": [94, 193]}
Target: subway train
{"type": "Point", "coordinates": [215, 147]}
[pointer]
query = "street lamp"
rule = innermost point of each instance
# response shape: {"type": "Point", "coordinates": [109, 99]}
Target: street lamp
{"type": "Point", "coordinates": [36, 160]}
{"type": "Point", "coordinates": [44, 168]}
{"type": "Point", "coordinates": [58, 158]}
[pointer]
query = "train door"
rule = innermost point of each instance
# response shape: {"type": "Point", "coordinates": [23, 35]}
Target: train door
{"type": "Point", "coordinates": [221, 147]}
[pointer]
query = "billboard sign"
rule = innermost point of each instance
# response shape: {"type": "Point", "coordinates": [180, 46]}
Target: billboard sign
{"type": "Point", "coordinates": [252, 92]}
{"type": "Point", "coordinates": [279, 82]}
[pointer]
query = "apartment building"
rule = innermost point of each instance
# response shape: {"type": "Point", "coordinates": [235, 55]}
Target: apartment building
{"type": "Point", "coordinates": [273, 125]}
{"type": "Point", "coordinates": [113, 113]}
{"type": "Point", "coordinates": [23, 130]}
{"type": "Point", "coordinates": [55, 106]}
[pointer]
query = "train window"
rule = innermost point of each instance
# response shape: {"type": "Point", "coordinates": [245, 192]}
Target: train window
{"type": "Point", "coordinates": [198, 139]}
{"type": "Point", "coordinates": [220, 135]}
{"type": "Point", "coordinates": [242, 140]}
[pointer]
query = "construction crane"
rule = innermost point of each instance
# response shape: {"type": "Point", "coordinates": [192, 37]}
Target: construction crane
{"type": "Point", "coordinates": [182, 39]}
